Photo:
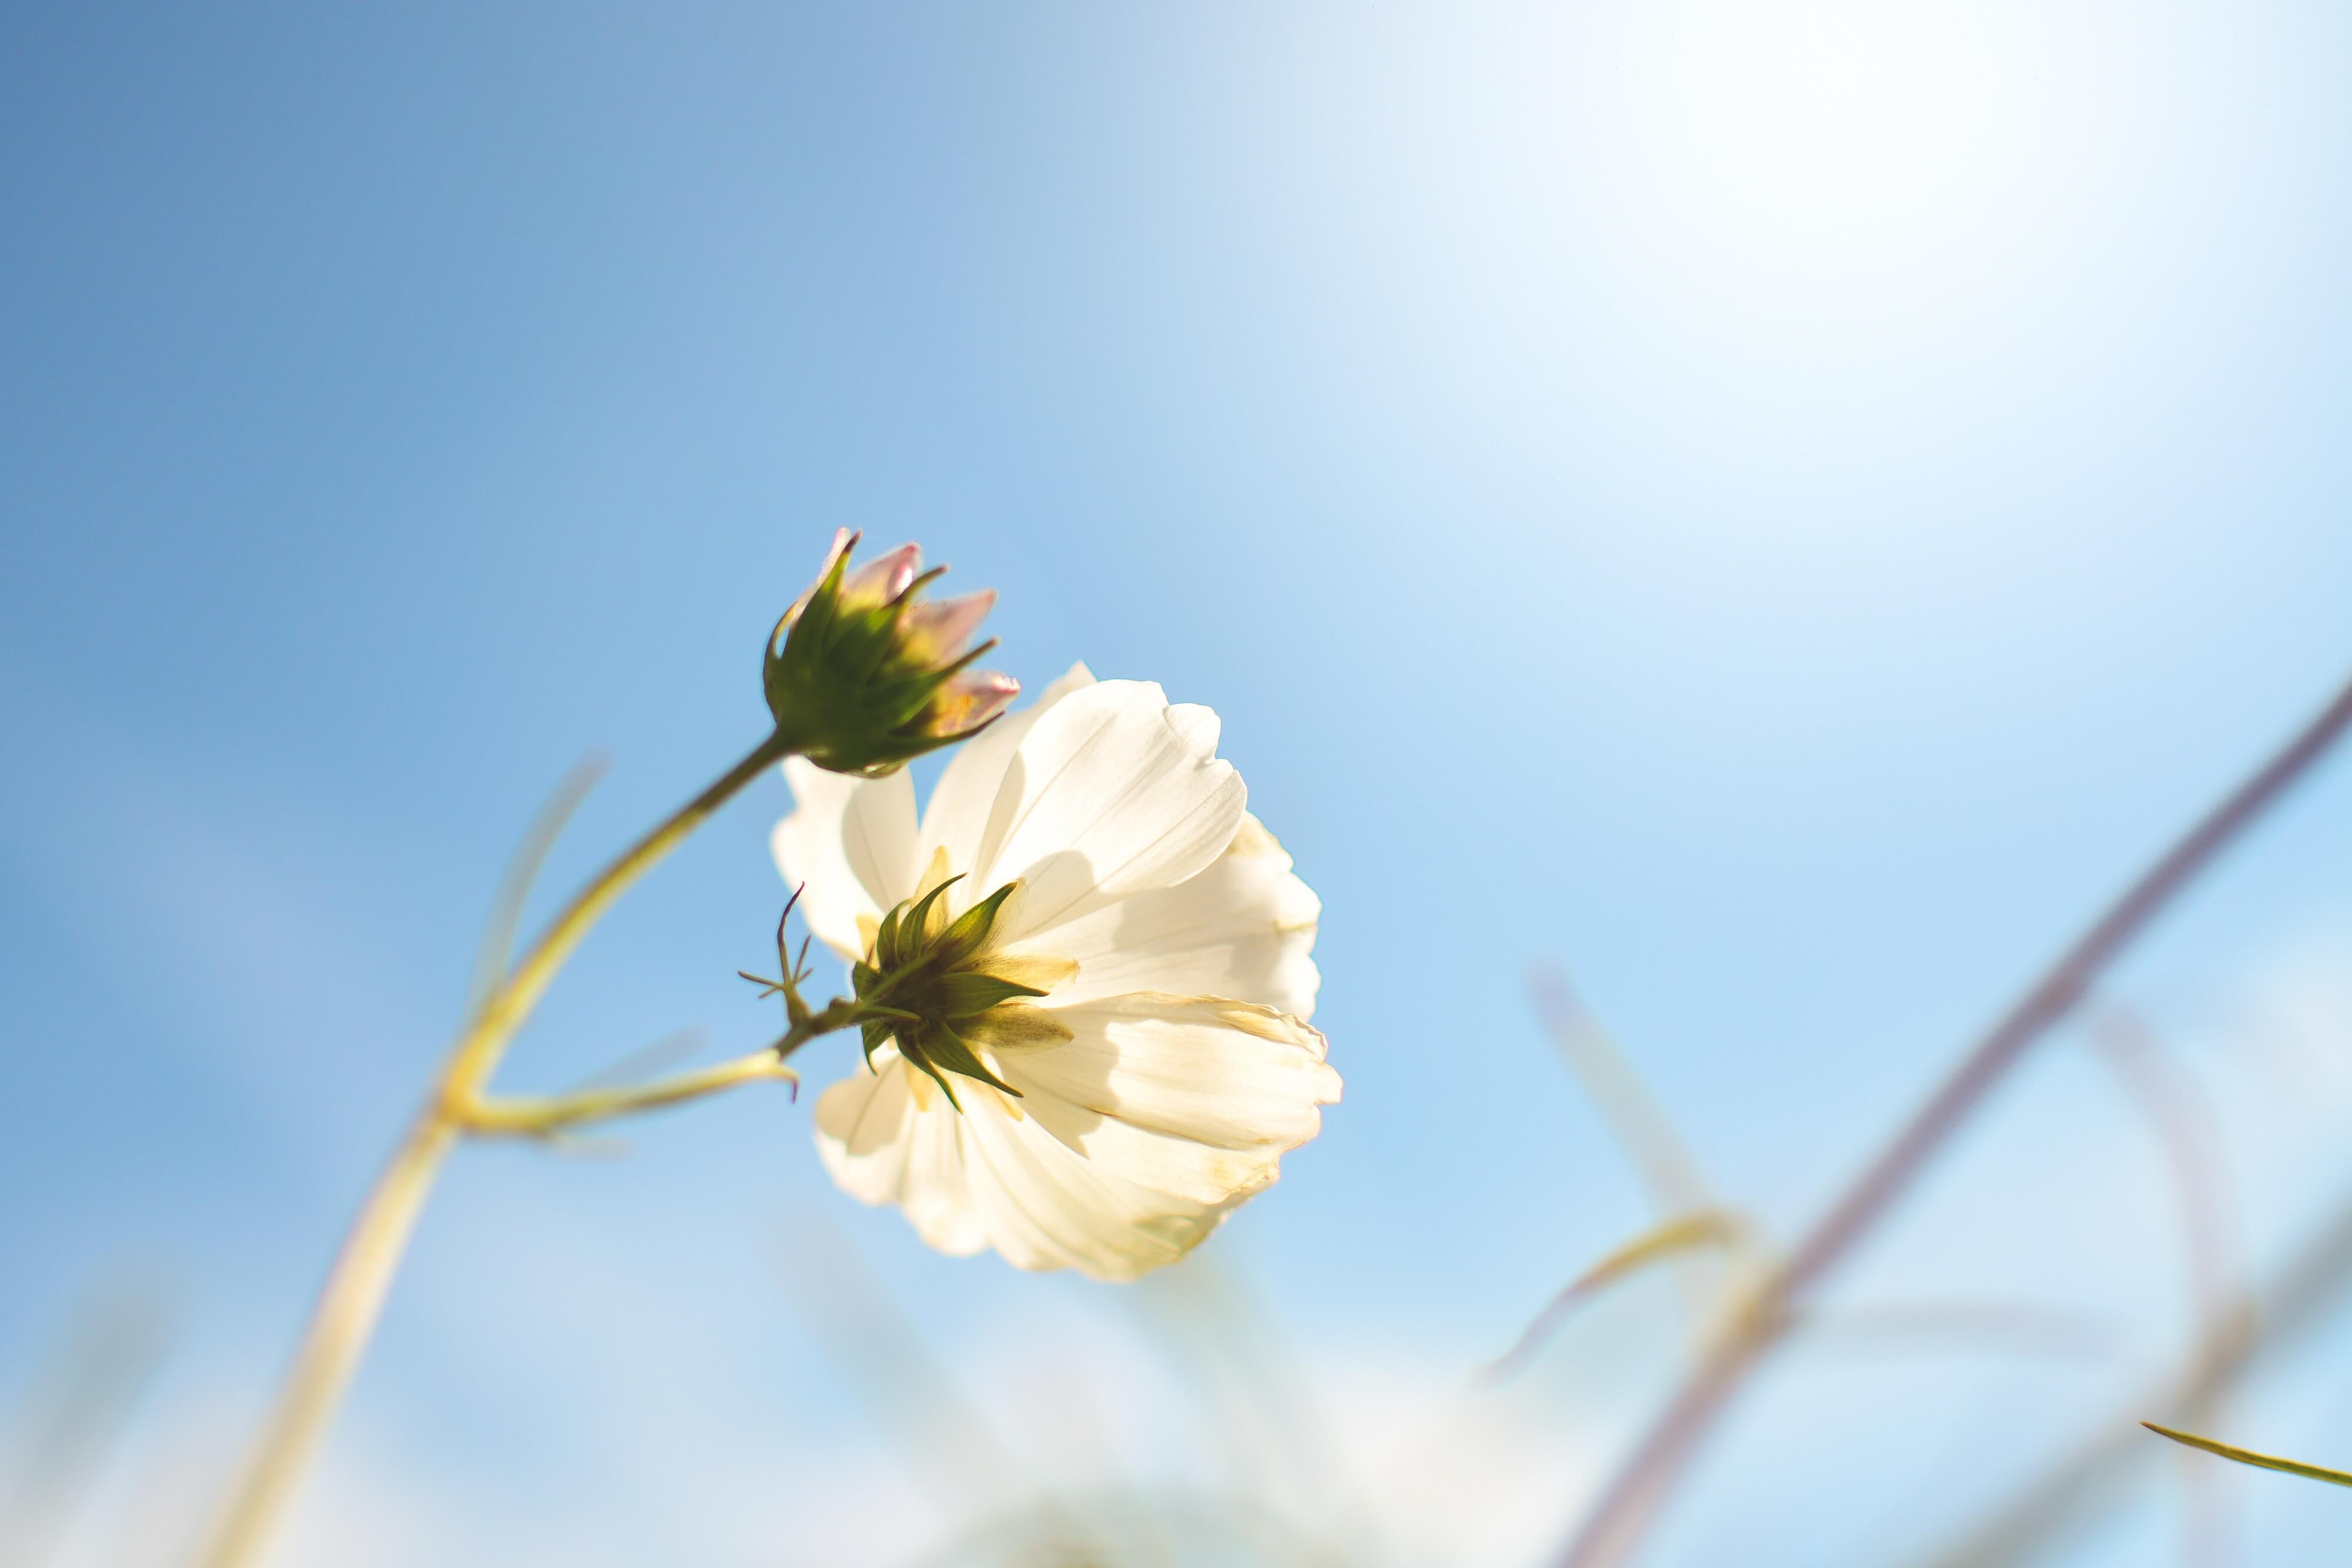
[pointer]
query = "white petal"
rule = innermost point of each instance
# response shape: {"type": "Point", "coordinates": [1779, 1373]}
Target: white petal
{"type": "Point", "coordinates": [1242, 928]}
{"type": "Point", "coordinates": [862, 1124]}
{"type": "Point", "coordinates": [989, 1177]}
{"type": "Point", "coordinates": [1048, 1207]}
{"type": "Point", "coordinates": [1132, 1142]}
{"type": "Point", "coordinates": [1111, 793]}
{"type": "Point", "coordinates": [850, 843]}
{"type": "Point", "coordinates": [1177, 1168]}
{"type": "Point", "coordinates": [967, 788]}
{"type": "Point", "coordinates": [1198, 726]}
{"type": "Point", "coordinates": [938, 1200]}
{"type": "Point", "coordinates": [883, 1147]}
{"type": "Point", "coordinates": [1197, 1095]}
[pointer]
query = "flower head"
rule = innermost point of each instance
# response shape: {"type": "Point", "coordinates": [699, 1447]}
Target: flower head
{"type": "Point", "coordinates": [1096, 968]}
{"type": "Point", "coordinates": [862, 674]}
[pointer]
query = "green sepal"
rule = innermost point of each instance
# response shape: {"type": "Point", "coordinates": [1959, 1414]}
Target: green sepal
{"type": "Point", "coordinates": [949, 1050]}
{"type": "Point", "coordinates": [963, 938]}
{"type": "Point", "coordinates": [911, 927]}
{"type": "Point", "coordinates": [968, 992]}
{"type": "Point", "coordinates": [923, 1064]}
{"type": "Point", "coordinates": [865, 657]}
{"type": "Point", "coordinates": [813, 628]}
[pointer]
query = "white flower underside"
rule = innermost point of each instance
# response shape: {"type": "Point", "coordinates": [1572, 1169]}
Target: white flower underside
{"type": "Point", "coordinates": [1190, 1067]}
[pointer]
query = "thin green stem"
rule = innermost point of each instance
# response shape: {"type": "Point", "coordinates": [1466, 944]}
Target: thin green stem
{"type": "Point", "coordinates": [2248, 1457]}
{"type": "Point", "coordinates": [510, 1005]}
{"type": "Point", "coordinates": [538, 1115]}
{"type": "Point", "coordinates": [352, 1297]}
{"type": "Point", "coordinates": [340, 1327]}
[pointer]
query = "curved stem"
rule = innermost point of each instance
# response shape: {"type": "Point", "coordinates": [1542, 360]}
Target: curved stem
{"type": "Point", "coordinates": [353, 1295]}
{"type": "Point", "coordinates": [339, 1328]}
{"type": "Point", "coordinates": [510, 1005]}
{"type": "Point", "coordinates": [537, 1116]}
{"type": "Point", "coordinates": [1614, 1527]}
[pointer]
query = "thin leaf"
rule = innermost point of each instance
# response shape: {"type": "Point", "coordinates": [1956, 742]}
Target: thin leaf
{"type": "Point", "coordinates": [491, 958]}
{"type": "Point", "coordinates": [1634, 1117]}
{"type": "Point", "coordinates": [1683, 1233]}
{"type": "Point", "coordinates": [2248, 1457]}
{"type": "Point", "coordinates": [644, 1062]}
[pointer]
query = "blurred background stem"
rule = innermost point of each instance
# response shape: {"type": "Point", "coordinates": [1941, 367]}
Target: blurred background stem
{"type": "Point", "coordinates": [353, 1296]}
{"type": "Point", "coordinates": [1614, 1528]}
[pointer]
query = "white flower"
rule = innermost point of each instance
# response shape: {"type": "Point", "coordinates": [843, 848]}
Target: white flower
{"type": "Point", "coordinates": [1173, 1065]}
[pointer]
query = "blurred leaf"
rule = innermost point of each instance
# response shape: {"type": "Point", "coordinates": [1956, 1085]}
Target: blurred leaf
{"type": "Point", "coordinates": [1633, 1116]}
{"type": "Point", "coordinates": [87, 1388]}
{"type": "Point", "coordinates": [1685, 1233]}
{"type": "Point", "coordinates": [514, 887]}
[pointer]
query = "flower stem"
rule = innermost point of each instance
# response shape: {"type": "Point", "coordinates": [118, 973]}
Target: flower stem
{"type": "Point", "coordinates": [510, 1004]}
{"type": "Point", "coordinates": [340, 1327]}
{"type": "Point", "coordinates": [1611, 1532]}
{"type": "Point", "coordinates": [353, 1295]}
{"type": "Point", "coordinates": [539, 1115]}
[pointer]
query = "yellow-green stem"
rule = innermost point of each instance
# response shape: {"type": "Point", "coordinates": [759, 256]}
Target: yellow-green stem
{"type": "Point", "coordinates": [2248, 1457]}
{"type": "Point", "coordinates": [353, 1296]}
{"type": "Point", "coordinates": [507, 1007]}
{"type": "Point", "coordinates": [539, 1115]}
{"type": "Point", "coordinates": [340, 1327]}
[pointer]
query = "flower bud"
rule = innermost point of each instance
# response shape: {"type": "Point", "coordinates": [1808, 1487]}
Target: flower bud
{"type": "Point", "coordinates": [861, 674]}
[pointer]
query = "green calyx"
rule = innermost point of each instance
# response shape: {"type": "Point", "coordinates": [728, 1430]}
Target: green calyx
{"type": "Point", "coordinates": [850, 689]}
{"type": "Point", "coordinates": [946, 992]}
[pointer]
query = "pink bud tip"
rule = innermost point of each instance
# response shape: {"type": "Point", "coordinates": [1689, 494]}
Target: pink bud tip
{"type": "Point", "coordinates": [883, 577]}
{"type": "Point", "coordinates": [937, 632]}
{"type": "Point", "coordinates": [971, 699]}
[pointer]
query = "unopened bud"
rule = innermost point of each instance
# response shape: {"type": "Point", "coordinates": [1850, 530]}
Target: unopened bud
{"type": "Point", "coordinates": [941, 628]}
{"type": "Point", "coordinates": [862, 675]}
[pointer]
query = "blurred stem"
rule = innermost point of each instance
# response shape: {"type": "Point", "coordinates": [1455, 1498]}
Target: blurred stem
{"type": "Point", "coordinates": [353, 1296]}
{"type": "Point", "coordinates": [1611, 1532]}
{"type": "Point", "coordinates": [1665, 1164]}
{"type": "Point", "coordinates": [1649, 1139]}
{"type": "Point", "coordinates": [2253, 1326]}
{"type": "Point", "coordinates": [2191, 1148]}
{"type": "Point", "coordinates": [2257, 1327]}
{"type": "Point", "coordinates": [339, 1326]}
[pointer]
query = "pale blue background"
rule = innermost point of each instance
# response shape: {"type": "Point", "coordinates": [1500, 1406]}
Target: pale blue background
{"type": "Point", "coordinates": [1795, 630]}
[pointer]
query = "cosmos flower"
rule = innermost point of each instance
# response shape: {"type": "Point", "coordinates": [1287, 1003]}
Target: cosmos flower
{"type": "Point", "coordinates": [1100, 964]}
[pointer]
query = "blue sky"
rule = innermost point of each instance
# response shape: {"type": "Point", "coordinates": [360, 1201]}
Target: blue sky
{"type": "Point", "coordinates": [1778, 509]}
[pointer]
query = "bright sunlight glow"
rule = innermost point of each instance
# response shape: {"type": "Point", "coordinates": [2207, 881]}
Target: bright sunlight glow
{"type": "Point", "coordinates": [1834, 137]}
